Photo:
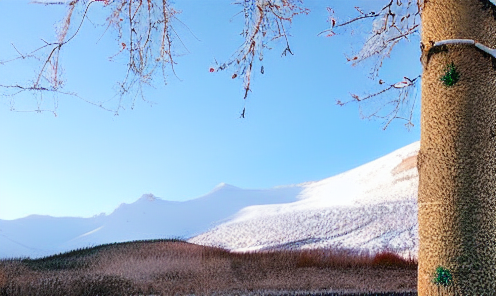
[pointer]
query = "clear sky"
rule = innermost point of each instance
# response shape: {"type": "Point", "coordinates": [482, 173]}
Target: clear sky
{"type": "Point", "coordinates": [86, 160]}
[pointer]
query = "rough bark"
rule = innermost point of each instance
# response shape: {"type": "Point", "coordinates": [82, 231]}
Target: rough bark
{"type": "Point", "coordinates": [457, 158]}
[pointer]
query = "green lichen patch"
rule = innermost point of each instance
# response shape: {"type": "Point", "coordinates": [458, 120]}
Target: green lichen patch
{"type": "Point", "coordinates": [451, 76]}
{"type": "Point", "coordinates": [442, 277]}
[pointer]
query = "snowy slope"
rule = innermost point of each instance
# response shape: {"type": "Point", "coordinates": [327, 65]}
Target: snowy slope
{"type": "Point", "coordinates": [147, 218]}
{"type": "Point", "coordinates": [151, 217]}
{"type": "Point", "coordinates": [369, 207]}
{"type": "Point", "coordinates": [37, 235]}
{"type": "Point", "coordinates": [374, 228]}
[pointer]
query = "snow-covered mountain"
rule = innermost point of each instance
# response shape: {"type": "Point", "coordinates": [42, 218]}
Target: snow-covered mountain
{"type": "Point", "coordinates": [147, 218]}
{"type": "Point", "coordinates": [370, 207]}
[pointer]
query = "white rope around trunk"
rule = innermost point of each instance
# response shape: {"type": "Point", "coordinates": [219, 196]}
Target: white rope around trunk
{"type": "Point", "coordinates": [482, 47]}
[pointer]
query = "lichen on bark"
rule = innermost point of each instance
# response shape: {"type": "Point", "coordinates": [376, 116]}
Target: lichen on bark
{"type": "Point", "coordinates": [451, 76]}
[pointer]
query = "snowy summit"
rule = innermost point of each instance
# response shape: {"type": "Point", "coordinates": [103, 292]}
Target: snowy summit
{"type": "Point", "coordinates": [148, 197]}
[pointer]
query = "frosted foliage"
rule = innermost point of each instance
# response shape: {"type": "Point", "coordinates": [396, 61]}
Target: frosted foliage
{"type": "Point", "coordinates": [392, 23]}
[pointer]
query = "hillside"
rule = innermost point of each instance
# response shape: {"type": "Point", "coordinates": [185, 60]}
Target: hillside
{"type": "Point", "coordinates": [371, 207]}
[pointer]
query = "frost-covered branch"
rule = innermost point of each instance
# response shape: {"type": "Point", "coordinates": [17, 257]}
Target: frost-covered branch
{"type": "Point", "coordinates": [144, 33]}
{"type": "Point", "coordinates": [265, 21]}
{"type": "Point", "coordinates": [393, 22]}
{"type": "Point", "coordinates": [404, 87]}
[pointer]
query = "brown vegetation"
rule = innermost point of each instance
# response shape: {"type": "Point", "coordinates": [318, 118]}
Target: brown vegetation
{"type": "Point", "coordinates": [175, 267]}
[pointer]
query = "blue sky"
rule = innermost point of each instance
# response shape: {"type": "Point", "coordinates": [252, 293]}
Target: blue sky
{"type": "Point", "coordinates": [86, 160]}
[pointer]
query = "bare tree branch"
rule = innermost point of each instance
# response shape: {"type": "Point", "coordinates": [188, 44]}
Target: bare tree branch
{"type": "Point", "coordinates": [404, 87]}
{"type": "Point", "coordinates": [395, 21]}
{"type": "Point", "coordinates": [144, 32]}
{"type": "Point", "coordinates": [265, 21]}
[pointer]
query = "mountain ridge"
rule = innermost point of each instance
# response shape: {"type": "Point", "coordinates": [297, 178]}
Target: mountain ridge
{"type": "Point", "coordinates": [233, 217]}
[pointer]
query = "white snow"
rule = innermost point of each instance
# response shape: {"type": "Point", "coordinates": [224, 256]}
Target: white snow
{"type": "Point", "coordinates": [368, 208]}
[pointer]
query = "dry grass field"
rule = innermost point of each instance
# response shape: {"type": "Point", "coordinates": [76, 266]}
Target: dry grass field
{"type": "Point", "coordinates": [175, 267]}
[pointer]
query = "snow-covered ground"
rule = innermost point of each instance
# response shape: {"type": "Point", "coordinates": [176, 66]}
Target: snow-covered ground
{"type": "Point", "coordinates": [370, 208]}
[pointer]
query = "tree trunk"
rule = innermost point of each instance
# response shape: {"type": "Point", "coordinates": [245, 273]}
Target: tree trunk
{"type": "Point", "coordinates": [457, 158]}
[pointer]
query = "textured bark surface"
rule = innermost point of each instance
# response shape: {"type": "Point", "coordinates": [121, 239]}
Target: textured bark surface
{"type": "Point", "coordinates": [457, 158]}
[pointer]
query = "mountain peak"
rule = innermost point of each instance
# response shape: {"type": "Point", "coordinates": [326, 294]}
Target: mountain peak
{"type": "Point", "coordinates": [224, 186]}
{"type": "Point", "coordinates": [148, 197]}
